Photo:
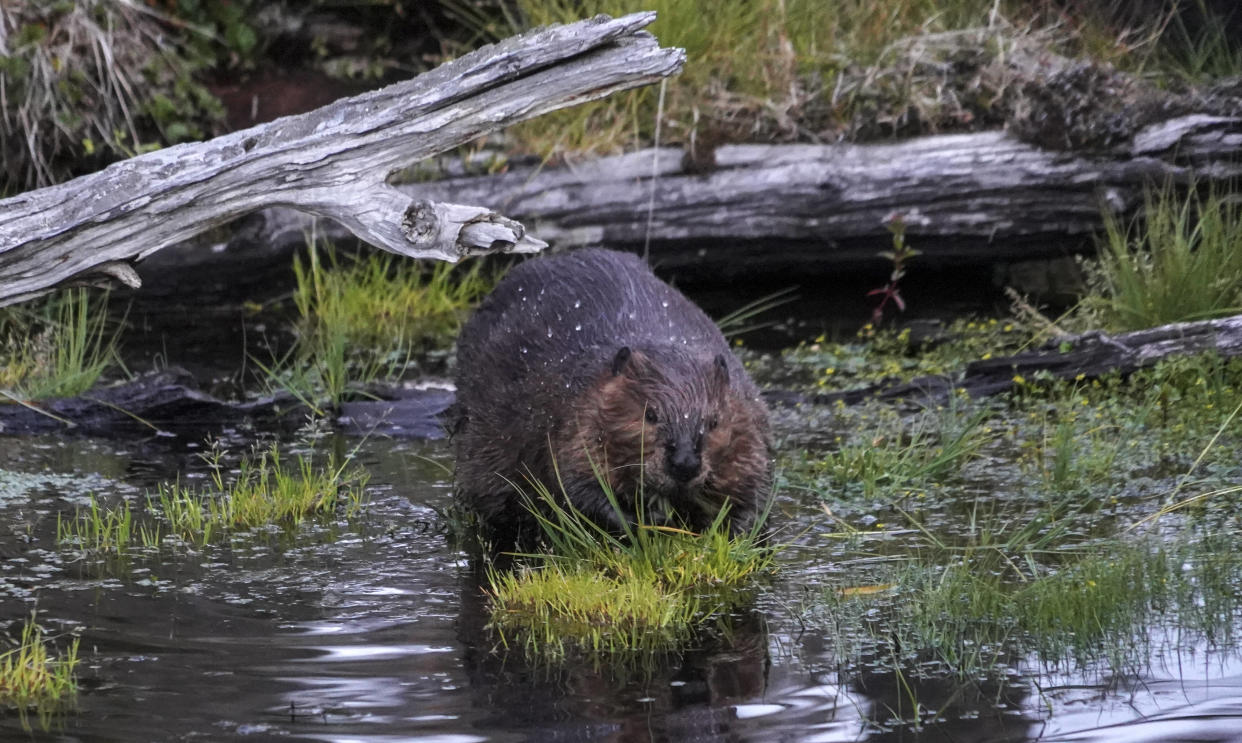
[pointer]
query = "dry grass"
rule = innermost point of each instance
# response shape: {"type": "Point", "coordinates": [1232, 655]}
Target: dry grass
{"type": "Point", "coordinates": [83, 83]}
{"type": "Point", "coordinates": [803, 70]}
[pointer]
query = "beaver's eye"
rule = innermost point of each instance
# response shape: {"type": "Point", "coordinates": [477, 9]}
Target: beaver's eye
{"type": "Point", "coordinates": [651, 416]}
{"type": "Point", "coordinates": [712, 422]}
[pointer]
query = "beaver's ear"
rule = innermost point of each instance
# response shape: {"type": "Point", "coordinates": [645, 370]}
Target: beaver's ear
{"type": "Point", "coordinates": [720, 372]}
{"type": "Point", "coordinates": [630, 362]}
{"type": "Point", "coordinates": [620, 361]}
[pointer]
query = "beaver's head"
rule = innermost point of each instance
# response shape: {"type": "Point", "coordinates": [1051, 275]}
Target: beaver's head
{"type": "Point", "coordinates": [677, 423]}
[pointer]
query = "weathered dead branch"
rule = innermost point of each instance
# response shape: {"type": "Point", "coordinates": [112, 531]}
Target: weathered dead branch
{"type": "Point", "coordinates": [331, 162]}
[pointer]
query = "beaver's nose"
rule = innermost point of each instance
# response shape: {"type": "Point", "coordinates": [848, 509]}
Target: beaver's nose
{"type": "Point", "coordinates": [683, 461]}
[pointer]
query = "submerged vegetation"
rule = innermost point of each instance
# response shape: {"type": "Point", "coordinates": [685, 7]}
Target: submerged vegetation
{"type": "Point", "coordinates": [1065, 522]}
{"type": "Point", "coordinates": [1099, 608]}
{"type": "Point", "coordinates": [590, 593]}
{"type": "Point", "coordinates": [33, 678]}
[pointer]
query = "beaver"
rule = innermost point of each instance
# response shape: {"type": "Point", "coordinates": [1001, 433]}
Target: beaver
{"type": "Point", "coordinates": [585, 366]}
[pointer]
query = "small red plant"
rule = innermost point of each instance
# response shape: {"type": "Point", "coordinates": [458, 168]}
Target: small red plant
{"type": "Point", "coordinates": [899, 256]}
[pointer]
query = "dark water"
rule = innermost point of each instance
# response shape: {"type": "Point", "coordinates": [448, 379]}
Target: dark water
{"type": "Point", "coordinates": [374, 631]}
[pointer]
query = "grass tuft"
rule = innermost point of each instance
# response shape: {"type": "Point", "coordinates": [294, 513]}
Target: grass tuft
{"type": "Point", "coordinates": [594, 593]}
{"type": "Point", "coordinates": [266, 489]}
{"type": "Point", "coordinates": [1182, 262]}
{"type": "Point", "coordinates": [31, 678]}
{"type": "Point", "coordinates": [55, 347]}
{"type": "Point", "coordinates": [92, 81]}
{"type": "Point", "coordinates": [368, 318]}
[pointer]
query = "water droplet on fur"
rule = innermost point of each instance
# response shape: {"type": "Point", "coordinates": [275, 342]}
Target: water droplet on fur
{"type": "Point", "coordinates": [549, 332]}
{"type": "Point", "coordinates": [525, 349]}
{"type": "Point", "coordinates": [578, 326]}
{"type": "Point", "coordinates": [577, 303]}
{"type": "Point", "coordinates": [664, 303]}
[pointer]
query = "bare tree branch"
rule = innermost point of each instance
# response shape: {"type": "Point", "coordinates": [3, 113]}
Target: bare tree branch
{"type": "Point", "coordinates": [331, 162]}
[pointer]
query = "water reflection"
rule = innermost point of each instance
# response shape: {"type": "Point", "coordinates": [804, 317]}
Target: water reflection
{"type": "Point", "coordinates": [376, 631]}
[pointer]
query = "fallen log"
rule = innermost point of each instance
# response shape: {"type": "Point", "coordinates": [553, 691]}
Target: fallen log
{"type": "Point", "coordinates": [333, 162]}
{"type": "Point", "coordinates": [1085, 356]}
{"type": "Point", "coordinates": [170, 402]}
{"type": "Point", "coordinates": [785, 210]}
{"type": "Point", "coordinates": [981, 197]}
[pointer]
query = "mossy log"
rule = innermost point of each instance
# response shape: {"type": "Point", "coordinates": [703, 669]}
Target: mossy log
{"type": "Point", "coordinates": [1085, 356]}
{"type": "Point", "coordinates": [334, 162]}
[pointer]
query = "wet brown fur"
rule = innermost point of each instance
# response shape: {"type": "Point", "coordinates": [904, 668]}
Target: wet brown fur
{"type": "Point", "coordinates": [585, 366]}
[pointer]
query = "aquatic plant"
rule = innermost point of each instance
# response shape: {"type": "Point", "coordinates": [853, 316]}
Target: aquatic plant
{"type": "Point", "coordinates": [893, 354]}
{"type": "Point", "coordinates": [893, 454]}
{"type": "Point", "coordinates": [107, 532]}
{"type": "Point", "coordinates": [1182, 261]}
{"type": "Point", "coordinates": [595, 593]}
{"type": "Point", "coordinates": [980, 613]}
{"type": "Point", "coordinates": [367, 318]}
{"type": "Point", "coordinates": [1094, 516]}
{"type": "Point", "coordinates": [31, 678]}
{"type": "Point", "coordinates": [1025, 590]}
{"type": "Point", "coordinates": [55, 347]}
{"type": "Point", "coordinates": [266, 489]}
